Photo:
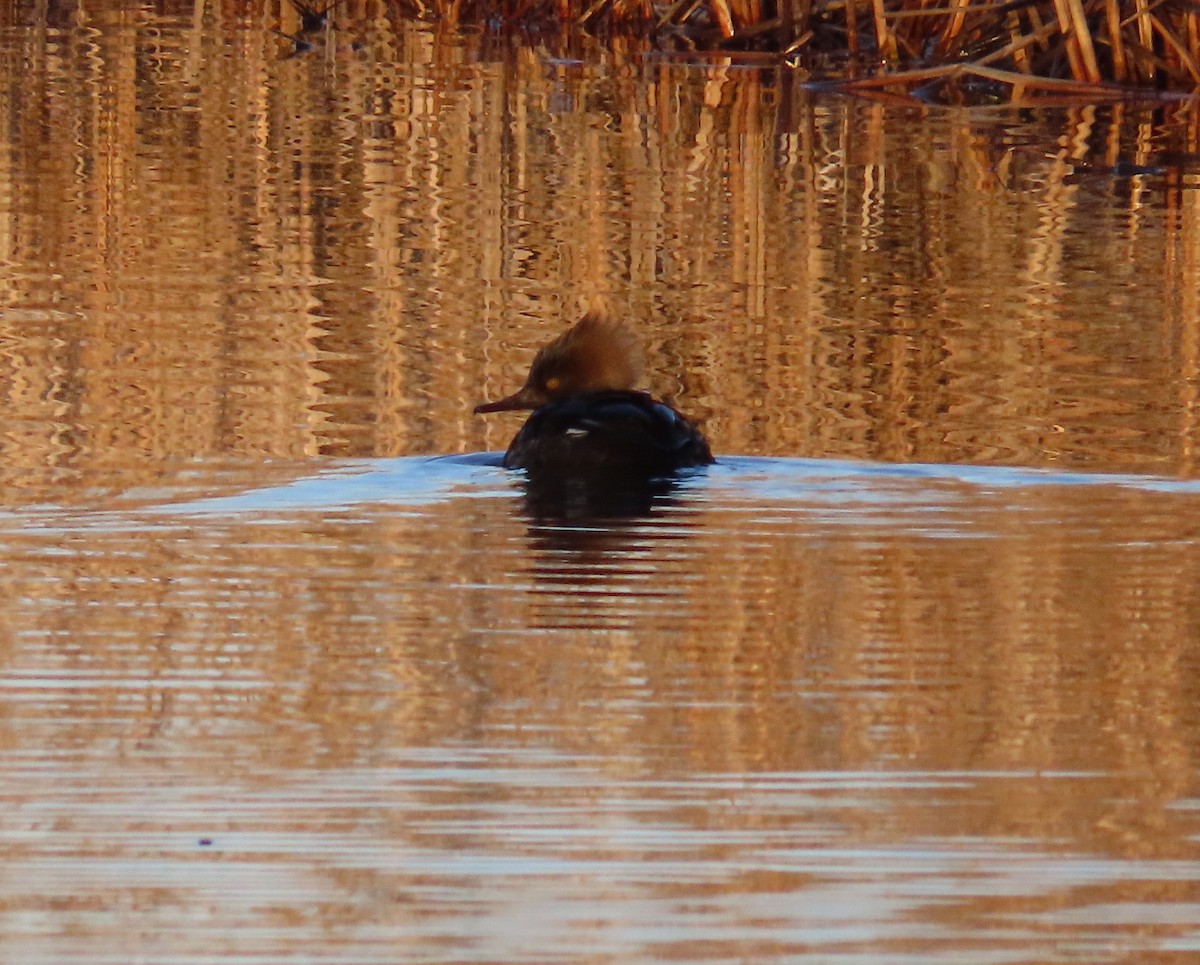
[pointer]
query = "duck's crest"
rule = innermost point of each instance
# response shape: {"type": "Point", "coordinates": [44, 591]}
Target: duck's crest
{"type": "Point", "coordinates": [609, 353]}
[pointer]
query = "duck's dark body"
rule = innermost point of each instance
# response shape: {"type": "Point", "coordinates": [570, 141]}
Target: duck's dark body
{"type": "Point", "coordinates": [612, 433]}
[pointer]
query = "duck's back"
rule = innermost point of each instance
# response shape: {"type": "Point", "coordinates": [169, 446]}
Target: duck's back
{"type": "Point", "coordinates": [607, 433]}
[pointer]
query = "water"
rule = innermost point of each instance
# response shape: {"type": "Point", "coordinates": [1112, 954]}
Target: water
{"type": "Point", "coordinates": [802, 710]}
{"type": "Point", "coordinates": [291, 670]}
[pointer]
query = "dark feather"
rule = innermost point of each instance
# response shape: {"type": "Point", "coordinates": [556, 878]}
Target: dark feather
{"type": "Point", "coordinates": [607, 433]}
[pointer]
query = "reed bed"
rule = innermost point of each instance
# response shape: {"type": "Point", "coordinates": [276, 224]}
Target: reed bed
{"type": "Point", "coordinates": [1061, 46]}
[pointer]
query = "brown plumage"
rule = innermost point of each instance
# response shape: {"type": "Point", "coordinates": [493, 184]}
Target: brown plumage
{"type": "Point", "coordinates": [595, 355]}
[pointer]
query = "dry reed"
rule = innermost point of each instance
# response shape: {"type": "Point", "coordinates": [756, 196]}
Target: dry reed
{"type": "Point", "coordinates": [1145, 44]}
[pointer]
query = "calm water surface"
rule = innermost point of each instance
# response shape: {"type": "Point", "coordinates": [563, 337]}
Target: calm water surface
{"type": "Point", "coordinates": [292, 671]}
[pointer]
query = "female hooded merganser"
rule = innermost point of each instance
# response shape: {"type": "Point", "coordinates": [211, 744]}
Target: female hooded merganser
{"type": "Point", "coordinates": [588, 418]}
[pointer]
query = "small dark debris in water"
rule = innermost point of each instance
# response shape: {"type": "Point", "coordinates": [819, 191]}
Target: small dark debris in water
{"type": "Point", "coordinates": [1127, 169]}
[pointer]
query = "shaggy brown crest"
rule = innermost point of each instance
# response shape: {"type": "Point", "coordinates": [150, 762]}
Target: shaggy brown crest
{"type": "Point", "coordinates": [595, 355]}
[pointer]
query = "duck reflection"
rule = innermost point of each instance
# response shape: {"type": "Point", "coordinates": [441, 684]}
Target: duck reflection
{"type": "Point", "coordinates": [598, 552]}
{"type": "Point", "coordinates": [591, 499]}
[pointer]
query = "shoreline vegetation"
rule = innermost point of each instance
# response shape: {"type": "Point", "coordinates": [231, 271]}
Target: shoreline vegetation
{"type": "Point", "coordinates": [1098, 49]}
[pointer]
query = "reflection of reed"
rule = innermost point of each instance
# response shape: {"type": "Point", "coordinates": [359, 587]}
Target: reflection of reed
{"type": "Point", "coordinates": [734, 637]}
{"type": "Point", "coordinates": [234, 254]}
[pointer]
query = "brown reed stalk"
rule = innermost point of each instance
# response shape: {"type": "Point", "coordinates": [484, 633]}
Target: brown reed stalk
{"type": "Point", "coordinates": [1036, 22]}
{"type": "Point", "coordinates": [724, 16]}
{"type": "Point", "coordinates": [852, 27]}
{"type": "Point", "coordinates": [1081, 34]}
{"type": "Point", "coordinates": [592, 12]}
{"type": "Point", "coordinates": [1018, 46]}
{"type": "Point", "coordinates": [884, 38]}
{"type": "Point", "coordinates": [1066, 23]}
{"type": "Point", "coordinates": [746, 12]}
{"type": "Point", "coordinates": [1193, 30]}
{"type": "Point", "coordinates": [1141, 15]}
{"type": "Point", "coordinates": [950, 72]}
{"type": "Point", "coordinates": [953, 27]}
{"type": "Point", "coordinates": [1112, 16]}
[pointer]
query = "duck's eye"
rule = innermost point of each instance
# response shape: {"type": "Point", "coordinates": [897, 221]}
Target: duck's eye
{"type": "Point", "coordinates": [553, 383]}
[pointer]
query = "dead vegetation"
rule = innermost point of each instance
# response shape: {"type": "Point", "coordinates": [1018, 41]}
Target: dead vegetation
{"type": "Point", "coordinates": [1019, 45]}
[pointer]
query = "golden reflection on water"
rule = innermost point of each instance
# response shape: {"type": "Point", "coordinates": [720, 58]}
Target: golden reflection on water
{"type": "Point", "coordinates": [780, 712]}
{"type": "Point", "coordinates": [913, 681]}
{"type": "Point", "coordinates": [917, 683]}
{"type": "Point", "coordinates": [213, 248]}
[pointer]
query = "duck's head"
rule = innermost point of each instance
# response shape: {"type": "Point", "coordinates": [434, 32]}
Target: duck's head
{"type": "Point", "coordinates": [594, 355]}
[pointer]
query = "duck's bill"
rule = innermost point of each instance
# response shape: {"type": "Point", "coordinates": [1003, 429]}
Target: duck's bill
{"type": "Point", "coordinates": [523, 399]}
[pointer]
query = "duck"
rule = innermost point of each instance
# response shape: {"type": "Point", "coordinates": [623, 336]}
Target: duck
{"type": "Point", "coordinates": [589, 418]}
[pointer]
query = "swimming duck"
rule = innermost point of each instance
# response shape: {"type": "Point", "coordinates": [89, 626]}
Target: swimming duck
{"type": "Point", "coordinates": [589, 419]}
